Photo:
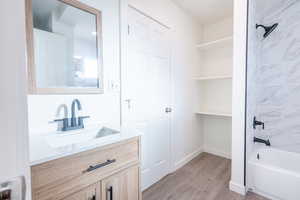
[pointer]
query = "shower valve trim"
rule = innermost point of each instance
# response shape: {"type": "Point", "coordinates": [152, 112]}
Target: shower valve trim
{"type": "Point", "coordinates": [258, 123]}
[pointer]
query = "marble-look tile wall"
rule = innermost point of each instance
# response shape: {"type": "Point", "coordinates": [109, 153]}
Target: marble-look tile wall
{"type": "Point", "coordinates": [273, 77]}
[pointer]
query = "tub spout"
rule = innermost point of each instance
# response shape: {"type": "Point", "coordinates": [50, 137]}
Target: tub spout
{"type": "Point", "coordinates": [266, 142]}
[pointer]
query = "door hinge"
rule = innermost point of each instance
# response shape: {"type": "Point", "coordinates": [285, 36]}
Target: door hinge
{"type": "Point", "coordinates": [128, 29]}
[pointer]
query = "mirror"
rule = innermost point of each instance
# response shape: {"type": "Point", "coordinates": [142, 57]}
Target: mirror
{"type": "Point", "coordinates": [64, 47]}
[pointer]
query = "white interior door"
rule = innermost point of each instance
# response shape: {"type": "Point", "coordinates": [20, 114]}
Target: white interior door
{"type": "Point", "coordinates": [147, 93]}
{"type": "Point", "coordinates": [13, 107]}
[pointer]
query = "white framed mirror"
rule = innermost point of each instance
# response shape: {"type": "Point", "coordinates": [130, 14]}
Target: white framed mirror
{"type": "Point", "coordinates": [64, 47]}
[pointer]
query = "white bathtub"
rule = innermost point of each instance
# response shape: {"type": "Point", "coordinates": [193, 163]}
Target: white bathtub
{"type": "Point", "coordinates": [276, 174]}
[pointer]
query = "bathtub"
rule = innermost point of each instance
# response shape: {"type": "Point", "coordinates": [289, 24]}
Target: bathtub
{"type": "Point", "coordinates": [274, 174]}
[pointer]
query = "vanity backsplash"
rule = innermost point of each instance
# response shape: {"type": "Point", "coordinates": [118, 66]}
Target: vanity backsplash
{"type": "Point", "coordinates": [43, 109]}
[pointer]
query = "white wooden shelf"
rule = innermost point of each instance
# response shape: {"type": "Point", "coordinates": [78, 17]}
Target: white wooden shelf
{"type": "Point", "coordinates": [216, 44]}
{"type": "Point", "coordinates": [214, 113]}
{"type": "Point", "coordinates": [205, 78]}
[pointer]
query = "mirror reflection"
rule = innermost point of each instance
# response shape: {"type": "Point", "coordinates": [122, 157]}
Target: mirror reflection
{"type": "Point", "coordinates": [65, 46]}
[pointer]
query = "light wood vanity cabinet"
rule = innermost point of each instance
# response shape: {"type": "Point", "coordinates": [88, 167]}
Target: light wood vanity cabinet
{"type": "Point", "coordinates": [98, 174]}
{"type": "Point", "coordinates": [122, 186]}
{"type": "Point", "coordinates": [89, 193]}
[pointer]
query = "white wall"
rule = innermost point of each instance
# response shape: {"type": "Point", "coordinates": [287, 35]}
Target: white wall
{"type": "Point", "coordinates": [13, 107]}
{"type": "Point", "coordinates": [238, 101]}
{"type": "Point", "coordinates": [217, 135]}
{"type": "Point", "coordinates": [217, 95]}
{"type": "Point", "coordinates": [103, 108]}
{"type": "Point", "coordinates": [222, 65]}
{"type": "Point", "coordinates": [186, 33]}
{"type": "Point", "coordinates": [217, 30]}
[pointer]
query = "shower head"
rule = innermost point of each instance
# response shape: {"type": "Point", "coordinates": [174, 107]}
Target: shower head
{"type": "Point", "coordinates": [268, 29]}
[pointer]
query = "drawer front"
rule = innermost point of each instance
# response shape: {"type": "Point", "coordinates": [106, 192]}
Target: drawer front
{"type": "Point", "coordinates": [59, 178]}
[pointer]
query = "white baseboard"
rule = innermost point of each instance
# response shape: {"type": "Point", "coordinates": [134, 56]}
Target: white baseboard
{"type": "Point", "coordinates": [194, 154]}
{"type": "Point", "coordinates": [241, 189]}
{"type": "Point", "coordinates": [264, 195]}
{"type": "Point", "coordinates": [187, 159]}
{"type": "Point", "coordinates": [217, 152]}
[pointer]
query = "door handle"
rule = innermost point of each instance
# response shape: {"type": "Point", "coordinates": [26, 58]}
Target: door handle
{"type": "Point", "coordinates": [110, 193]}
{"type": "Point", "coordinates": [168, 110]}
{"type": "Point", "coordinates": [128, 101]}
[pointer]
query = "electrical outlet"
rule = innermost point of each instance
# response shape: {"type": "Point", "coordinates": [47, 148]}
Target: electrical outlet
{"type": "Point", "coordinates": [14, 189]}
{"type": "Point", "coordinates": [114, 86]}
{"type": "Point", "coordinates": [5, 194]}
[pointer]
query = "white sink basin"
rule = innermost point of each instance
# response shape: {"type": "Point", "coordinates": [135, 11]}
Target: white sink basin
{"type": "Point", "coordinates": [63, 139]}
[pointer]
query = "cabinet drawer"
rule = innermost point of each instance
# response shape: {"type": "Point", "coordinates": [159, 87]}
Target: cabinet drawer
{"type": "Point", "coordinates": [59, 178]}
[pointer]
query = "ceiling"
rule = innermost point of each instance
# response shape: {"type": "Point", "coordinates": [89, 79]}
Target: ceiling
{"type": "Point", "coordinates": [207, 11]}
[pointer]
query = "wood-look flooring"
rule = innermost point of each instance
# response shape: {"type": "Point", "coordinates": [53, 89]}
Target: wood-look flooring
{"type": "Point", "coordinates": [204, 178]}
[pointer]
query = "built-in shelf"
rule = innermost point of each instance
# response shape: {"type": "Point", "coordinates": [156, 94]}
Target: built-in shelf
{"type": "Point", "coordinates": [204, 78]}
{"type": "Point", "coordinates": [216, 44]}
{"type": "Point", "coordinates": [214, 113]}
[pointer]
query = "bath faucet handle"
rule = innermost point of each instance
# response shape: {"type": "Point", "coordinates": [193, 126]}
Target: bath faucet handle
{"type": "Point", "coordinates": [258, 123]}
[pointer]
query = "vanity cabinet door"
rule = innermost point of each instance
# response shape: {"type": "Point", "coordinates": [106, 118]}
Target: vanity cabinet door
{"type": "Point", "coordinates": [122, 186]}
{"type": "Point", "coordinates": [89, 193]}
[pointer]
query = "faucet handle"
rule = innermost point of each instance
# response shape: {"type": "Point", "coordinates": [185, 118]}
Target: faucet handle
{"type": "Point", "coordinates": [80, 120]}
{"type": "Point", "coordinates": [55, 121]}
{"type": "Point", "coordinates": [258, 123]}
{"type": "Point", "coordinates": [65, 123]}
{"type": "Point", "coordinates": [58, 120]}
{"type": "Point", "coordinates": [84, 117]}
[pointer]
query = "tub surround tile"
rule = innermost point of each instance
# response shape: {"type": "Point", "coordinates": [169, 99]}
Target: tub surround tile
{"type": "Point", "coordinates": [274, 73]}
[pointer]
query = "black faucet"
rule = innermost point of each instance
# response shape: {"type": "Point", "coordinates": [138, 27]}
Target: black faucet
{"type": "Point", "coordinates": [64, 122]}
{"type": "Point", "coordinates": [266, 142]}
{"type": "Point", "coordinates": [73, 119]}
{"type": "Point", "coordinates": [76, 123]}
{"type": "Point", "coordinates": [258, 123]}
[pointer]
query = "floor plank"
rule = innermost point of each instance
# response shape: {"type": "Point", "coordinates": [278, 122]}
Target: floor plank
{"type": "Point", "coordinates": [204, 178]}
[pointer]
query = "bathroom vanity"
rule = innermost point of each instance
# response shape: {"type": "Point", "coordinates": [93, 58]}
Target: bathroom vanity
{"type": "Point", "coordinates": [76, 157]}
{"type": "Point", "coordinates": [109, 171]}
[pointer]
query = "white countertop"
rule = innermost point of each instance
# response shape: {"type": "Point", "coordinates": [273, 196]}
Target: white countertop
{"type": "Point", "coordinates": [42, 151]}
